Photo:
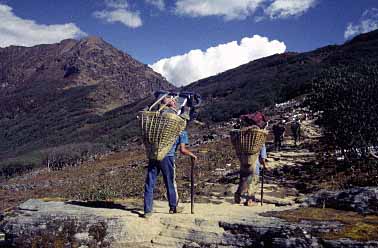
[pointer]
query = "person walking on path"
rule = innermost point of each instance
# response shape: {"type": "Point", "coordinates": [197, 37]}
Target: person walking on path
{"type": "Point", "coordinates": [296, 130]}
{"type": "Point", "coordinates": [278, 133]}
{"type": "Point", "coordinates": [249, 173]}
{"type": "Point", "coordinates": [249, 180]}
{"type": "Point", "coordinates": [167, 167]}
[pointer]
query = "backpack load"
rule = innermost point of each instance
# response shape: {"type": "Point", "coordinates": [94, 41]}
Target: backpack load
{"type": "Point", "coordinates": [248, 141]}
{"type": "Point", "coordinates": [161, 128]}
{"type": "Point", "coordinates": [159, 132]}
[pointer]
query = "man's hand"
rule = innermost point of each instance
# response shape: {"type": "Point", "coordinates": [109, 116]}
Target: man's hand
{"type": "Point", "coordinates": [263, 162]}
{"type": "Point", "coordinates": [194, 157]}
{"type": "Point", "coordinates": [187, 152]}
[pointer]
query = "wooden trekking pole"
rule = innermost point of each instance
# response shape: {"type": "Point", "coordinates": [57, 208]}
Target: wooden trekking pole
{"type": "Point", "coordinates": [262, 185]}
{"type": "Point", "coordinates": [192, 186]}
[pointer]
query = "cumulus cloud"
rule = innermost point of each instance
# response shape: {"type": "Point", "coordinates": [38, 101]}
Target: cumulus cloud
{"type": "Point", "coordinates": [197, 64]}
{"type": "Point", "coordinates": [117, 11]}
{"type": "Point", "coordinates": [368, 22]}
{"type": "Point", "coordinates": [17, 31]}
{"type": "Point", "coordinates": [230, 10]}
{"type": "Point", "coordinates": [160, 4]}
{"type": "Point", "coordinates": [128, 18]}
{"type": "Point", "coordinates": [116, 4]}
{"type": "Point", "coordinates": [240, 9]}
{"type": "Point", "coordinates": [286, 8]}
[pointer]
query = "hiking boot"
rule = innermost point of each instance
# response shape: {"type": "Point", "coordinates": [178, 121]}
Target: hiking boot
{"type": "Point", "coordinates": [237, 198]}
{"type": "Point", "coordinates": [250, 203]}
{"type": "Point", "coordinates": [176, 210]}
{"type": "Point", "coordinates": [147, 215]}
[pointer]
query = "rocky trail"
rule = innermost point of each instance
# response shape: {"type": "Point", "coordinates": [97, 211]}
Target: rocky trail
{"type": "Point", "coordinates": [217, 223]}
{"type": "Point", "coordinates": [282, 220]}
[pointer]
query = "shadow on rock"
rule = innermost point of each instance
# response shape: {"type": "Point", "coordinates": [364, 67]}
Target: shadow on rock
{"type": "Point", "coordinates": [109, 205]}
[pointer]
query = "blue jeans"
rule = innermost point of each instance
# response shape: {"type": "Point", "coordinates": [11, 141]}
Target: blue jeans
{"type": "Point", "coordinates": [167, 167]}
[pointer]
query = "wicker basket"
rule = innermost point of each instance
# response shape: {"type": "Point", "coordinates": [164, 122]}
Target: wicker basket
{"type": "Point", "coordinates": [247, 143]}
{"type": "Point", "coordinates": [159, 132]}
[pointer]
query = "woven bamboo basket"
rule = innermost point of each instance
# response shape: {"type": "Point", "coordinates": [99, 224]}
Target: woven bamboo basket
{"type": "Point", "coordinates": [247, 143]}
{"type": "Point", "coordinates": [159, 132]}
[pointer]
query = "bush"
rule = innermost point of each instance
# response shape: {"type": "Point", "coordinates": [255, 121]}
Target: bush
{"type": "Point", "coordinates": [347, 98]}
{"type": "Point", "coordinates": [19, 165]}
{"type": "Point", "coordinates": [71, 154]}
{"type": "Point", "coordinates": [96, 191]}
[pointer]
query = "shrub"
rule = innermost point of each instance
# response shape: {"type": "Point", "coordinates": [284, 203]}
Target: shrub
{"type": "Point", "coordinates": [71, 154]}
{"type": "Point", "coordinates": [347, 98]}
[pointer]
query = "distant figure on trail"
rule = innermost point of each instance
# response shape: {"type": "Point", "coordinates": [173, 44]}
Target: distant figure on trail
{"type": "Point", "coordinates": [249, 173]}
{"type": "Point", "coordinates": [167, 167]}
{"type": "Point", "coordinates": [296, 130]}
{"type": "Point", "coordinates": [278, 133]}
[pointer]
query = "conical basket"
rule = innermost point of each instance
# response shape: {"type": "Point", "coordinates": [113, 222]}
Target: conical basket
{"type": "Point", "coordinates": [159, 132]}
{"type": "Point", "coordinates": [247, 143]}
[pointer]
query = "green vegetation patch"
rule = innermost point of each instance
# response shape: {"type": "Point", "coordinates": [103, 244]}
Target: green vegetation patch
{"type": "Point", "coordinates": [356, 226]}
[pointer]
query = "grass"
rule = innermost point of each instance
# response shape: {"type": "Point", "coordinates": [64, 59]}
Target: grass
{"type": "Point", "coordinates": [356, 226]}
{"type": "Point", "coordinates": [34, 158]}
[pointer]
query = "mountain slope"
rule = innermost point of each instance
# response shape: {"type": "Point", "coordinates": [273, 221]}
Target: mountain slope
{"type": "Point", "coordinates": [79, 92]}
{"type": "Point", "coordinates": [57, 94]}
{"type": "Point", "coordinates": [277, 78]}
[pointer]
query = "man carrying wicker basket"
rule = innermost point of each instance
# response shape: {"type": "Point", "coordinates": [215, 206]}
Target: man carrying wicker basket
{"type": "Point", "coordinates": [249, 144]}
{"type": "Point", "coordinates": [166, 124]}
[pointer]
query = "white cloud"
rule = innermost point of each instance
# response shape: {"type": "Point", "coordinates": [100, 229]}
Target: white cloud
{"type": "Point", "coordinates": [128, 18]}
{"type": "Point", "coordinates": [230, 10]}
{"type": "Point", "coordinates": [196, 64]}
{"type": "Point", "coordinates": [160, 4]}
{"type": "Point", "coordinates": [117, 11]}
{"type": "Point", "coordinates": [240, 9]}
{"type": "Point", "coordinates": [287, 8]}
{"type": "Point", "coordinates": [17, 31]}
{"type": "Point", "coordinates": [368, 22]}
{"type": "Point", "coordinates": [117, 4]}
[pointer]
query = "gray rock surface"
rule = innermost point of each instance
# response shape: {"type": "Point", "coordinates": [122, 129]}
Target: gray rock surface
{"type": "Point", "coordinates": [347, 243]}
{"type": "Point", "coordinates": [363, 200]}
{"type": "Point", "coordinates": [49, 224]}
{"type": "Point", "coordinates": [57, 224]}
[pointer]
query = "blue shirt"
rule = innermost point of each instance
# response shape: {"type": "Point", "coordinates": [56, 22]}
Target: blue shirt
{"type": "Point", "coordinates": [182, 139]}
{"type": "Point", "coordinates": [262, 156]}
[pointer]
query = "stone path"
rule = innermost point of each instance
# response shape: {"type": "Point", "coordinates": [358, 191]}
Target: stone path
{"type": "Point", "coordinates": [219, 223]}
{"type": "Point", "coordinates": [125, 228]}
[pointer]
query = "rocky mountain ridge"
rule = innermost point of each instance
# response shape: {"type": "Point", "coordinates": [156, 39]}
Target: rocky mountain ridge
{"type": "Point", "coordinates": [57, 94]}
{"type": "Point", "coordinates": [71, 63]}
{"type": "Point", "coordinates": [278, 78]}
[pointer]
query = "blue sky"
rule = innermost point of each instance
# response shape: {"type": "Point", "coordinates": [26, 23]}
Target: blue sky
{"type": "Point", "coordinates": [151, 30]}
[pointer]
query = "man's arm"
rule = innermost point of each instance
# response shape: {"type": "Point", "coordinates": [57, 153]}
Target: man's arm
{"type": "Point", "coordinates": [185, 151]}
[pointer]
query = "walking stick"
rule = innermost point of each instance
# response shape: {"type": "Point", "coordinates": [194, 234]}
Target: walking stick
{"type": "Point", "coordinates": [262, 185]}
{"type": "Point", "coordinates": [192, 187]}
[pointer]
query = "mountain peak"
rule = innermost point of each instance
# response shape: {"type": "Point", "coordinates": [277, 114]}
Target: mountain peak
{"type": "Point", "coordinates": [92, 41]}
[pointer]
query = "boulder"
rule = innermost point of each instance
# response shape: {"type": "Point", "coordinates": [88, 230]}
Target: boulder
{"type": "Point", "coordinates": [363, 200]}
{"type": "Point", "coordinates": [37, 223]}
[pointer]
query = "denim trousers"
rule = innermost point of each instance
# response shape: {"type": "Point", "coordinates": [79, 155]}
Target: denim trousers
{"type": "Point", "coordinates": [167, 167]}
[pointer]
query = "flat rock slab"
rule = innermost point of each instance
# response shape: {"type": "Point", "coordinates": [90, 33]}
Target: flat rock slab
{"type": "Point", "coordinates": [39, 223]}
{"type": "Point", "coordinates": [57, 224]}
